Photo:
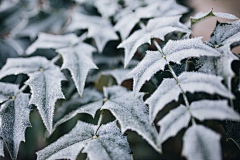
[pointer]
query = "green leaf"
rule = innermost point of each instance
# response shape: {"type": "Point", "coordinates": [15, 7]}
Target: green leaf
{"type": "Point", "coordinates": [201, 143]}
{"type": "Point", "coordinates": [14, 118]}
{"type": "Point", "coordinates": [108, 144]}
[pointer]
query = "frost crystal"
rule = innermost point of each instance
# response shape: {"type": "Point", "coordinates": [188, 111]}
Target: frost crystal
{"type": "Point", "coordinates": [109, 144]}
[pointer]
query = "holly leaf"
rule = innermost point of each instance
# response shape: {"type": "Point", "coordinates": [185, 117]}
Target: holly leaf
{"type": "Point", "coordinates": [155, 9]}
{"type": "Point", "coordinates": [44, 81]}
{"type": "Point", "coordinates": [42, 22]}
{"type": "Point", "coordinates": [201, 143]}
{"type": "Point", "coordinates": [201, 16]}
{"type": "Point", "coordinates": [107, 144]}
{"type": "Point", "coordinates": [78, 60]}
{"type": "Point", "coordinates": [131, 112]}
{"type": "Point", "coordinates": [89, 103]}
{"type": "Point", "coordinates": [173, 122]}
{"type": "Point", "coordinates": [118, 74]}
{"type": "Point", "coordinates": [49, 41]}
{"type": "Point", "coordinates": [221, 66]}
{"type": "Point", "coordinates": [225, 34]}
{"type": "Point", "coordinates": [208, 109]}
{"type": "Point", "coordinates": [14, 117]}
{"type": "Point", "coordinates": [107, 8]}
{"type": "Point", "coordinates": [98, 28]}
{"type": "Point", "coordinates": [156, 28]}
{"type": "Point", "coordinates": [175, 51]}
{"type": "Point", "coordinates": [190, 82]}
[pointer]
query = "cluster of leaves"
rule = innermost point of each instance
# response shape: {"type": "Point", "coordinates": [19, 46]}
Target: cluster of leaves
{"type": "Point", "coordinates": [63, 49]}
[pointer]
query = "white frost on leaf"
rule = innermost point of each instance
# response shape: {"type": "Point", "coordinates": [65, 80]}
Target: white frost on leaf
{"type": "Point", "coordinates": [44, 81]}
{"type": "Point", "coordinates": [209, 109]}
{"type": "Point", "coordinates": [132, 113]}
{"type": "Point", "coordinates": [108, 144]}
{"type": "Point", "coordinates": [175, 51]}
{"type": "Point", "coordinates": [156, 28]}
{"type": "Point", "coordinates": [98, 28]}
{"type": "Point", "coordinates": [201, 143]}
{"type": "Point", "coordinates": [173, 122]}
{"type": "Point", "coordinates": [14, 118]}
{"type": "Point", "coordinates": [225, 34]}
{"type": "Point", "coordinates": [78, 60]}
{"type": "Point", "coordinates": [107, 8]}
{"type": "Point", "coordinates": [50, 41]}
{"type": "Point", "coordinates": [89, 103]}
{"type": "Point", "coordinates": [155, 9]}
{"type": "Point", "coordinates": [201, 16]}
{"type": "Point", "coordinates": [37, 24]}
{"type": "Point", "coordinates": [169, 90]}
{"type": "Point", "coordinates": [221, 66]}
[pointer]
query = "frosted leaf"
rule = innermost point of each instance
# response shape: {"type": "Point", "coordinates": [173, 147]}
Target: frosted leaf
{"type": "Point", "coordinates": [69, 145]}
{"type": "Point", "coordinates": [190, 82]}
{"type": "Point", "coordinates": [1, 148]}
{"type": "Point", "coordinates": [98, 28]}
{"type": "Point", "coordinates": [208, 109]}
{"type": "Point", "coordinates": [78, 60]}
{"type": "Point", "coordinates": [155, 9]}
{"type": "Point", "coordinates": [7, 90]}
{"type": "Point", "coordinates": [201, 143]}
{"type": "Point", "coordinates": [107, 8]}
{"type": "Point", "coordinates": [89, 103]}
{"type": "Point", "coordinates": [225, 34]}
{"type": "Point", "coordinates": [114, 91]}
{"type": "Point", "coordinates": [156, 28]}
{"type": "Point", "coordinates": [201, 16]}
{"type": "Point", "coordinates": [221, 66]}
{"type": "Point", "coordinates": [49, 41]}
{"type": "Point", "coordinates": [109, 145]}
{"type": "Point", "coordinates": [109, 140]}
{"type": "Point", "coordinates": [46, 90]}
{"type": "Point", "coordinates": [14, 118]}
{"type": "Point", "coordinates": [173, 122]}
{"type": "Point", "coordinates": [175, 51]}
{"type": "Point", "coordinates": [119, 74]}
{"type": "Point", "coordinates": [42, 22]}
{"type": "Point", "coordinates": [44, 81]}
{"type": "Point", "coordinates": [16, 66]}
{"type": "Point", "coordinates": [132, 114]}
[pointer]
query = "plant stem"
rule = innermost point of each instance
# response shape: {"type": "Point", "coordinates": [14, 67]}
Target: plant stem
{"type": "Point", "coordinates": [176, 79]}
{"type": "Point", "coordinates": [56, 58]}
{"type": "Point", "coordinates": [172, 72]}
{"type": "Point", "coordinates": [100, 120]}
